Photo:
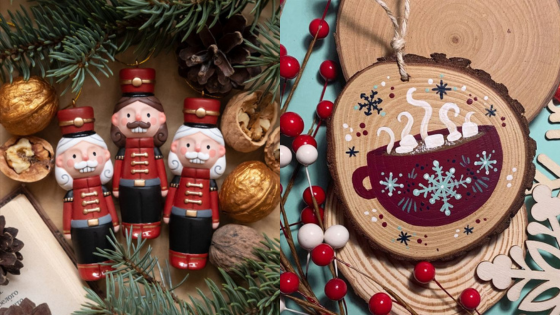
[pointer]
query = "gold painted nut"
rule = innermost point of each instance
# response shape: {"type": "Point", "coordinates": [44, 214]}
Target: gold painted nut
{"type": "Point", "coordinates": [136, 82]}
{"type": "Point", "coordinates": [200, 113]}
{"type": "Point", "coordinates": [78, 122]}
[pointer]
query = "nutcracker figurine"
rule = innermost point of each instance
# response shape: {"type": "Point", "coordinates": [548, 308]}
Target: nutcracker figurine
{"type": "Point", "coordinates": [83, 166]}
{"type": "Point", "coordinates": [139, 129]}
{"type": "Point", "coordinates": [197, 158]}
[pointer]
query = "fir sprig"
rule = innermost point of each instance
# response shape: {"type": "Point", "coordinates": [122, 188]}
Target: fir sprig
{"type": "Point", "coordinates": [133, 289]}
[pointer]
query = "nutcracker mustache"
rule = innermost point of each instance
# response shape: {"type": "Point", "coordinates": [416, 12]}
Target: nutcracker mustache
{"type": "Point", "coordinates": [197, 157]}
{"type": "Point", "coordinates": [138, 126]}
{"type": "Point", "coordinates": [86, 166]}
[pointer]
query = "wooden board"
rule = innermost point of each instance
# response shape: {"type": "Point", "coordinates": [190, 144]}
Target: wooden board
{"type": "Point", "coordinates": [516, 41]}
{"type": "Point", "coordinates": [455, 275]}
{"type": "Point", "coordinates": [433, 202]}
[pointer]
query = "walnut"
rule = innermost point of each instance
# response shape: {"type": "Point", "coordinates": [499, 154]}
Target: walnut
{"type": "Point", "coordinates": [244, 125]}
{"type": "Point", "coordinates": [26, 159]}
{"type": "Point", "coordinates": [272, 151]}
{"type": "Point", "coordinates": [232, 244]}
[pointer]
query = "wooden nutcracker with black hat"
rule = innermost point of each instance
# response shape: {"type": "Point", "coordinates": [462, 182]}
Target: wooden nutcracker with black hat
{"type": "Point", "coordinates": [83, 166]}
{"type": "Point", "coordinates": [139, 128]}
{"type": "Point", "coordinates": [197, 158]}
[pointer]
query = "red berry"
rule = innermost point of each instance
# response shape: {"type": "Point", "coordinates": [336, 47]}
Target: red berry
{"type": "Point", "coordinates": [557, 94]}
{"type": "Point", "coordinates": [291, 124]}
{"type": "Point", "coordinates": [324, 109]}
{"type": "Point", "coordinates": [380, 304]}
{"type": "Point", "coordinates": [318, 193]}
{"type": "Point", "coordinates": [322, 255]}
{"type": "Point", "coordinates": [289, 282]}
{"type": "Point", "coordinates": [470, 298]}
{"type": "Point", "coordinates": [302, 140]}
{"type": "Point", "coordinates": [314, 28]}
{"type": "Point", "coordinates": [308, 215]}
{"type": "Point", "coordinates": [328, 70]}
{"type": "Point", "coordinates": [283, 50]}
{"type": "Point", "coordinates": [336, 289]}
{"type": "Point", "coordinates": [424, 272]}
{"type": "Point", "coordinates": [289, 67]}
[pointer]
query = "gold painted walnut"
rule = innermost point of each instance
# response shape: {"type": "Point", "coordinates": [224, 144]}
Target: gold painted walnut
{"type": "Point", "coordinates": [246, 125]}
{"type": "Point", "coordinates": [250, 192]}
{"type": "Point", "coordinates": [27, 107]}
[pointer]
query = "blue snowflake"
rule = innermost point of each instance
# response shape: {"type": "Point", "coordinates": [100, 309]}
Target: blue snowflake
{"type": "Point", "coordinates": [441, 89]}
{"type": "Point", "coordinates": [404, 238]}
{"type": "Point", "coordinates": [485, 162]}
{"type": "Point", "coordinates": [371, 103]}
{"type": "Point", "coordinates": [442, 185]}
{"type": "Point", "coordinates": [491, 112]}
{"type": "Point", "coordinates": [390, 183]}
{"type": "Point", "coordinates": [468, 229]}
{"type": "Point", "coordinates": [352, 151]}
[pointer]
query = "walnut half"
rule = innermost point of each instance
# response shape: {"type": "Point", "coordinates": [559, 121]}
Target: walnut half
{"type": "Point", "coordinates": [26, 159]}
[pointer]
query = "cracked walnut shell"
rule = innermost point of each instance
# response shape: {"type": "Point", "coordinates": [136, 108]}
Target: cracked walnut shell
{"type": "Point", "coordinates": [26, 159]}
{"type": "Point", "coordinates": [272, 151]}
{"type": "Point", "coordinates": [246, 127]}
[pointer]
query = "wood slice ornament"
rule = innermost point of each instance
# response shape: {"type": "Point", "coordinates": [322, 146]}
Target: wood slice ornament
{"type": "Point", "coordinates": [455, 275]}
{"type": "Point", "coordinates": [514, 40]}
{"type": "Point", "coordinates": [444, 157]}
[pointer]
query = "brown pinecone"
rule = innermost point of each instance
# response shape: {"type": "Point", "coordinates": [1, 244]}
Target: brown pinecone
{"type": "Point", "coordinates": [208, 59]}
{"type": "Point", "coordinates": [10, 257]}
{"type": "Point", "coordinates": [26, 307]}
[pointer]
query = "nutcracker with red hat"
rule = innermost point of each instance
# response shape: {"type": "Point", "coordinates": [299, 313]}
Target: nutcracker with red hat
{"type": "Point", "coordinates": [139, 129]}
{"type": "Point", "coordinates": [83, 166]}
{"type": "Point", "coordinates": [197, 158]}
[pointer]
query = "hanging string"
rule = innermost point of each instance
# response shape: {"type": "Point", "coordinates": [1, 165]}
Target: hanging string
{"type": "Point", "coordinates": [137, 63]}
{"type": "Point", "coordinates": [74, 100]}
{"type": "Point", "coordinates": [398, 41]}
{"type": "Point", "coordinates": [202, 92]}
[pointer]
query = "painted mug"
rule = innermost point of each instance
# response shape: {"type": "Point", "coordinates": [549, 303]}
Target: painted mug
{"type": "Point", "coordinates": [456, 179]}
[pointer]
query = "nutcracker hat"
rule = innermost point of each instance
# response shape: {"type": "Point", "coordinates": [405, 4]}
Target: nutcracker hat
{"type": "Point", "coordinates": [201, 112]}
{"type": "Point", "coordinates": [76, 122]}
{"type": "Point", "coordinates": [138, 81]}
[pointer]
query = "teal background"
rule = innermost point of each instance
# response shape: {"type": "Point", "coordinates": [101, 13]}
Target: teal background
{"type": "Point", "coordinates": [296, 38]}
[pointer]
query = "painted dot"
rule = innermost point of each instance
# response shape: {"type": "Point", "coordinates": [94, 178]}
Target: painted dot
{"type": "Point", "coordinates": [383, 114]}
{"type": "Point", "coordinates": [358, 134]}
{"type": "Point", "coordinates": [388, 77]}
{"type": "Point", "coordinates": [366, 213]}
{"type": "Point", "coordinates": [455, 88]}
{"type": "Point", "coordinates": [373, 219]}
{"type": "Point", "coordinates": [503, 118]}
{"type": "Point", "coordinates": [384, 224]}
{"type": "Point", "coordinates": [485, 219]}
{"type": "Point", "coordinates": [430, 81]}
{"type": "Point", "coordinates": [383, 83]}
{"type": "Point", "coordinates": [356, 107]}
{"type": "Point", "coordinates": [464, 88]}
{"type": "Point", "coordinates": [365, 132]}
{"type": "Point", "coordinates": [470, 94]}
{"type": "Point", "coordinates": [477, 221]}
{"type": "Point", "coordinates": [470, 101]}
{"type": "Point", "coordinates": [362, 125]}
{"type": "Point", "coordinates": [373, 210]}
{"type": "Point", "coordinates": [425, 244]}
{"type": "Point", "coordinates": [392, 88]}
{"type": "Point", "coordinates": [475, 99]}
{"type": "Point", "coordinates": [514, 169]}
{"type": "Point", "coordinates": [375, 86]}
{"type": "Point", "coordinates": [345, 126]}
{"type": "Point", "coordinates": [441, 75]}
{"type": "Point", "coordinates": [392, 95]}
{"type": "Point", "coordinates": [486, 98]}
{"type": "Point", "coordinates": [427, 90]}
{"type": "Point", "coordinates": [348, 138]}
{"type": "Point", "coordinates": [456, 235]}
{"type": "Point", "coordinates": [399, 228]}
{"type": "Point", "coordinates": [504, 124]}
{"type": "Point", "coordinates": [509, 177]}
{"type": "Point", "coordinates": [351, 129]}
{"type": "Point", "coordinates": [419, 241]}
{"type": "Point", "coordinates": [425, 235]}
{"type": "Point", "coordinates": [381, 216]}
{"type": "Point", "coordinates": [508, 185]}
{"type": "Point", "coordinates": [457, 230]}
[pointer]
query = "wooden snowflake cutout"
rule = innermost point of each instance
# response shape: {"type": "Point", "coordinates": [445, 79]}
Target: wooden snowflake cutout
{"type": "Point", "coordinates": [501, 273]}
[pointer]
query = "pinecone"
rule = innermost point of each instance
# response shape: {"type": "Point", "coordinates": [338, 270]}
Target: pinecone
{"type": "Point", "coordinates": [10, 257]}
{"type": "Point", "coordinates": [26, 307]}
{"type": "Point", "coordinates": [208, 59]}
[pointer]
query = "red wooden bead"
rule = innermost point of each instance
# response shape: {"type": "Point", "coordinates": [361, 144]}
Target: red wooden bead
{"type": "Point", "coordinates": [322, 255]}
{"type": "Point", "coordinates": [470, 298]}
{"type": "Point", "coordinates": [291, 124]}
{"type": "Point", "coordinates": [318, 193]}
{"type": "Point", "coordinates": [336, 289]}
{"type": "Point", "coordinates": [289, 282]}
{"type": "Point", "coordinates": [324, 109]}
{"type": "Point", "coordinates": [557, 94]}
{"type": "Point", "coordinates": [380, 304]}
{"type": "Point", "coordinates": [424, 272]}
{"type": "Point", "coordinates": [328, 70]}
{"type": "Point", "coordinates": [314, 28]}
{"type": "Point", "coordinates": [302, 140]}
{"type": "Point", "coordinates": [308, 215]}
{"type": "Point", "coordinates": [289, 67]}
{"type": "Point", "coordinates": [283, 50]}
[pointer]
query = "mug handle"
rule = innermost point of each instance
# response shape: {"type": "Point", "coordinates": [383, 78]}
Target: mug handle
{"type": "Point", "coordinates": [358, 177]}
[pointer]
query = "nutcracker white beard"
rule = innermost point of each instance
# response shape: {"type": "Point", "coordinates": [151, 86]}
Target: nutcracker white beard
{"type": "Point", "coordinates": [63, 178]}
{"type": "Point", "coordinates": [217, 170]}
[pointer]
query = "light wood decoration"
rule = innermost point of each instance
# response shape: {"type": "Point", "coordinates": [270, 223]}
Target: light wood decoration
{"type": "Point", "coordinates": [430, 168]}
{"type": "Point", "coordinates": [513, 273]}
{"type": "Point", "coordinates": [541, 178]}
{"type": "Point", "coordinates": [455, 275]}
{"type": "Point", "coordinates": [516, 41]}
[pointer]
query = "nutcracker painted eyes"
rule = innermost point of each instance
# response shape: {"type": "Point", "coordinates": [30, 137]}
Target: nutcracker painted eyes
{"type": "Point", "coordinates": [197, 158]}
{"type": "Point", "coordinates": [83, 166]}
{"type": "Point", "coordinates": [139, 128]}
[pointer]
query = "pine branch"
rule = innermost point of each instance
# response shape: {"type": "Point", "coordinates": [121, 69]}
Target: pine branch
{"type": "Point", "coordinates": [132, 288]}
